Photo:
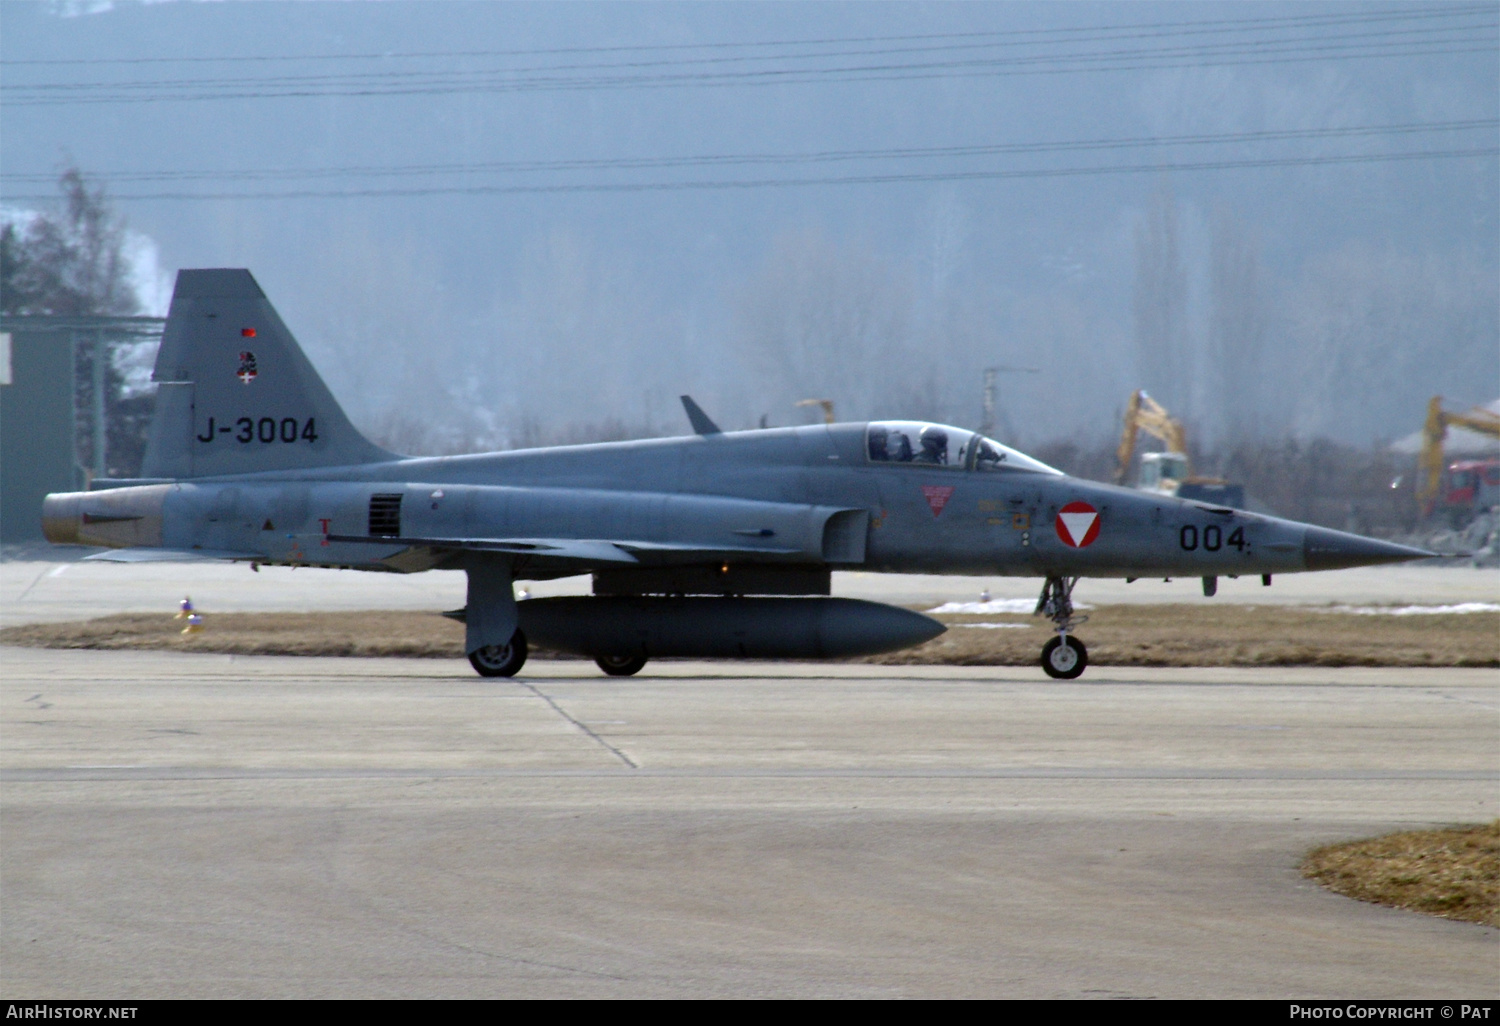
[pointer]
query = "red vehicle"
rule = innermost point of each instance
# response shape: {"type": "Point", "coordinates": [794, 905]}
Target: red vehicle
{"type": "Point", "coordinates": [1469, 487]}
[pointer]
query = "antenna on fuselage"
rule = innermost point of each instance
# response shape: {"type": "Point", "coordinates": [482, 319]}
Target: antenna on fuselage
{"type": "Point", "coordinates": [701, 422]}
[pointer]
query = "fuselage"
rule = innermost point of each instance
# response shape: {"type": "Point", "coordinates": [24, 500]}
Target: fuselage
{"type": "Point", "coordinates": [789, 495]}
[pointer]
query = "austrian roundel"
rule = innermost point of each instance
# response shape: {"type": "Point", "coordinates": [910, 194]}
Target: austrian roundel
{"type": "Point", "coordinates": [1078, 524]}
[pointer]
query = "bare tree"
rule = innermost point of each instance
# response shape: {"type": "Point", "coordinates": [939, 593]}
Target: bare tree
{"type": "Point", "coordinates": [1236, 329]}
{"type": "Point", "coordinates": [823, 320]}
{"type": "Point", "coordinates": [1372, 332]}
{"type": "Point", "coordinates": [1162, 353]}
{"type": "Point", "coordinates": [71, 263]}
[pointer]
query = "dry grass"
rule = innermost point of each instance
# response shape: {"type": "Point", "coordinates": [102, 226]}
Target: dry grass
{"type": "Point", "coordinates": [313, 634]}
{"type": "Point", "coordinates": [1226, 635]}
{"type": "Point", "coordinates": [1451, 873]}
{"type": "Point", "coordinates": [1160, 635]}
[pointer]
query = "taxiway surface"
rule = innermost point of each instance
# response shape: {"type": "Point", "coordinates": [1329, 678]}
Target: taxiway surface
{"type": "Point", "coordinates": [52, 584]}
{"type": "Point", "coordinates": [181, 825]}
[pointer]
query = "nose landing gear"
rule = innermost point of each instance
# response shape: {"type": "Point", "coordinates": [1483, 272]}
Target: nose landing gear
{"type": "Point", "coordinates": [1064, 657]}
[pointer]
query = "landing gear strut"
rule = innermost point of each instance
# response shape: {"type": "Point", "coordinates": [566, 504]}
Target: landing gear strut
{"type": "Point", "coordinates": [1063, 657]}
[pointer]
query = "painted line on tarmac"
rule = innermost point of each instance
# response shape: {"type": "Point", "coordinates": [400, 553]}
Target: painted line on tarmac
{"type": "Point", "coordinates": [627, 760]}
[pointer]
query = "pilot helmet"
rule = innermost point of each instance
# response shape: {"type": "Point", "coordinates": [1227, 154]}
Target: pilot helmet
{"type": "Point", "coordinates": [934, 439]}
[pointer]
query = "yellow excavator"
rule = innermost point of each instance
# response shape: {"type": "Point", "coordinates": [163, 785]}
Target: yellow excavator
{"type": "Point", "coordinates": [826, 404]}
{"type": "Point", "coordinates": [1169, 471]}
{"type": "Point", "coordinates": [1473, 484]}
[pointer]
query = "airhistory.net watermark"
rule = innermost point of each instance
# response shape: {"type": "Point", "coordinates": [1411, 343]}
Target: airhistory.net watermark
{"type": "Point", "coordinates": [53, 1010]}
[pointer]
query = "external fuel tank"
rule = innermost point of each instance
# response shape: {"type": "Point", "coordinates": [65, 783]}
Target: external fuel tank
{"type": "Point", "coordinates": [721, 627]}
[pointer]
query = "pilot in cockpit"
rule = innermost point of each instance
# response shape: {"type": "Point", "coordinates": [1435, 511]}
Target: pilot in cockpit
{"type": "Point", "coordinates": [878, 439]}
{"type": "Point", "coordinates": [990, 456]}
{"type": "Point", "coordinates": [899, 447]}
{"type": "Point", "coordinates": [934, 441]}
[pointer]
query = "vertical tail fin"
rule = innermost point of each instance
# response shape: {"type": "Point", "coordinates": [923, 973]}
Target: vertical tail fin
{"type": "Point", "coordinates": [235, 393]}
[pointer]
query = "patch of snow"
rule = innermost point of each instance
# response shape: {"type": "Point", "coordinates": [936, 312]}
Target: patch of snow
{"type": "Point", "coordinates": [995, 606]}
{"type": "Point", "coordinates": [1461, 607]}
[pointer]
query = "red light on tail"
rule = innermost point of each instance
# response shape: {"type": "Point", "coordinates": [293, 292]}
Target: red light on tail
{"type": "Point", "coordinates": [247, 332]}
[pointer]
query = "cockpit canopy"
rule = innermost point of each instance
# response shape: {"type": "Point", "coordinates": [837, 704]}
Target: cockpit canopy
{"type": "Point", "coordinates": [918, 443]}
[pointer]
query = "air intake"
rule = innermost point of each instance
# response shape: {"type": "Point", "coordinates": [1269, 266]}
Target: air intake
{"type": "Point", "coordinates": [385, 516]}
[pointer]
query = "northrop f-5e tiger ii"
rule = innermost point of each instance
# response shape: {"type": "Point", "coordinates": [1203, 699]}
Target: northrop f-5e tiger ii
{"type": "Point", "coordinates": [717, 545]}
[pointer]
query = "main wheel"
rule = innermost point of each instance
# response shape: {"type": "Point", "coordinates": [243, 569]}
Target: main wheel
{"type": "Point", "coordinates": [500, 660]}
{"type": "Point", "coordinates": [621, 665]}
{"type": "Point", "coordinates": [1064, 660]}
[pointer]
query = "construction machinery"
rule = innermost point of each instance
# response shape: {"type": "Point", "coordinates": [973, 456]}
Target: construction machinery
{"type": "Point", "coordinates": [826, 404]}
{"type": "Point", "coordinates": [1167, 472]}
{"type": "Point", "coordinates": [1471, 485]}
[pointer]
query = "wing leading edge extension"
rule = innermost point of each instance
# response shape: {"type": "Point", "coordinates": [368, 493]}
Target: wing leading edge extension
{"type": "Point", "coordinates": [576, 554]}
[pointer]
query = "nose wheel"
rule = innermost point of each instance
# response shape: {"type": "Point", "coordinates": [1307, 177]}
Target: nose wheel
{"type": "Point", "coordinates": [1064, 657]}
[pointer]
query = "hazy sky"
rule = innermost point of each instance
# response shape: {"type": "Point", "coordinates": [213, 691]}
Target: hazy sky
{"type": "Point", "coordinates": [517, 219]}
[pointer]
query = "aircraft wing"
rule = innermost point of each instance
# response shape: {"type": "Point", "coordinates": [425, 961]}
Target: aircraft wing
{"type": "Point", "coordinates": [586, 550]}
{"type": "Point", "coordinates": [678, 552]}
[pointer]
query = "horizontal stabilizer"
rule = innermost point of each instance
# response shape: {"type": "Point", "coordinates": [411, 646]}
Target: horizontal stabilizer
{"type": "Point", "coordinates": [170, 555]}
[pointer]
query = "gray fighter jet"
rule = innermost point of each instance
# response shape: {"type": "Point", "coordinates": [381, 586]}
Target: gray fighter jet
{"type": "Point", "coordinates": [718, 544]}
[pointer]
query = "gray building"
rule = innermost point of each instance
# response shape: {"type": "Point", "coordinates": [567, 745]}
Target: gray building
{"type": "Point", "coordinates": [39, 422]}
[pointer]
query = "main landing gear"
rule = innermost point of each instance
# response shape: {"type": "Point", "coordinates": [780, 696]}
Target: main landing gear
{"type": "Point", "coordinates": [1063, 657]}
{"type": "Point", "coordinates": [621, 665]}
{"type": "Point", "coordinates": [500, 660]}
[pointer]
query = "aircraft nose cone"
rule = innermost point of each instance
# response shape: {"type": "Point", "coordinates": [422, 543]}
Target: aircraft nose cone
{"type": "Point", "coordinates": [1325, 549]}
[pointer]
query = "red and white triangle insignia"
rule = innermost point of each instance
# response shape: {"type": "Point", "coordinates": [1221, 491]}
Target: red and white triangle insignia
{"type": "Point", "coordinates": [1077, 524]}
